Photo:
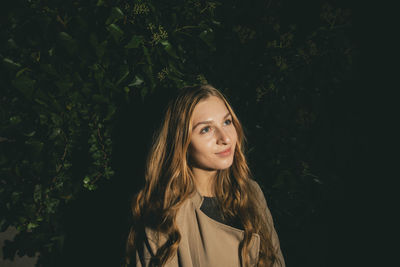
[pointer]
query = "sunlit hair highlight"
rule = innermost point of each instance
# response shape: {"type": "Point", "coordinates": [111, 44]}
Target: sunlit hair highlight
{"type": "Point", "coordinates": [169, 182]}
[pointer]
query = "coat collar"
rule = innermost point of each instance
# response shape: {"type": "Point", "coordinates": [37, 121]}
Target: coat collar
{"type": "Point", "coordinates": [197, 199]}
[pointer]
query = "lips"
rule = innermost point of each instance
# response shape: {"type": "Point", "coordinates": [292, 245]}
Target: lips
{"type": "Point", "coordinates": [225, 152]}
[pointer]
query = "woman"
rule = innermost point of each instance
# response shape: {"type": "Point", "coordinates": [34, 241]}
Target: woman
{"type": "Point", "coordinates": [199, 206]}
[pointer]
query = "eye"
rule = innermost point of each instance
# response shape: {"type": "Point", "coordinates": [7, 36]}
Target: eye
{"type": "Point", "coordinates": [228, 122]}
{"type": "Point", "coordinates": [205, 130]}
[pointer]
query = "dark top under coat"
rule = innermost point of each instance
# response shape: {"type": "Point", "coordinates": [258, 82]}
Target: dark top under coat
{"type": "Point", "coordinates": [211, 208]}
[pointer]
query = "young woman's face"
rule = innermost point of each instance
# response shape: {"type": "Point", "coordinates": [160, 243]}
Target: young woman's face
{"type": "Point", "coordinates": [213, 141]}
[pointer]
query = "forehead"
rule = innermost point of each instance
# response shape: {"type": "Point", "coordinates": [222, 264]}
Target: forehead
{"type": "Point", "coordinates": [211, 108]}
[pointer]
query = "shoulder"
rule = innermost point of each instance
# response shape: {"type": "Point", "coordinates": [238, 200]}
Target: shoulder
{"type": "Point", "coordinates": [256, 189]}
{"type": "Point", "coordinates": [262, 202]}
{"type": "Point", "coordinates": [253, 184]}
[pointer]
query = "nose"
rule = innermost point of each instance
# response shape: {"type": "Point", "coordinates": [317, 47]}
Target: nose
{"type": "Point", "coordinates": [223, 137]}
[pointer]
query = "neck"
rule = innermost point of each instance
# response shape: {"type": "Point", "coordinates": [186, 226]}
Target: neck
{"type": "Point", "coordinates": [204, 181]}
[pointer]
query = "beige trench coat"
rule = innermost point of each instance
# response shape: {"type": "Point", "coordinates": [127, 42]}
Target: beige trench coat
{"type": "Point", "coordinates": [206, 242]}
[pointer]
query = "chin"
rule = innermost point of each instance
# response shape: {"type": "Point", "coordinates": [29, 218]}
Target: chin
{"type": "Point", "coordinates": [224, 166]}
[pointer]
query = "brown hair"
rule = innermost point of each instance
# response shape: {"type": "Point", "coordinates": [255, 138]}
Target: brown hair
{"type": "Point", "coordinates": [169, 182]}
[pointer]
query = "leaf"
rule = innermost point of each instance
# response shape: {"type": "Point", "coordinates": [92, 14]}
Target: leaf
{"type": "Point", "coordinates": [116, 15]}
{"type": "Point", "coordinates": [37, 100]}
{"type": "Point", "coordinates": [19, 73]}
{"type": "Point", "coordinates": [98, 74]}
{"type": "Point", "coordinates": [12, 44]}
{"type": "Point", "coordinates": [30, 134]}
{"type": "Point", "coordinates": [32, 225]}
{"type": "Point", "coordinates": [169, 49]}
{"type": "Point", "coordinates": [115, 31]}
{"type": "Point", "coordinates": [51, 205]}
{"type": "Point", "coordinates": [143, 92]}
{"type": "Point", "coordinates": [69, 43]}
{"type": "Point", "coordinates": [86, 180]}
{"type": "Point", "coordinates": [110, 112]}
{"type": "Point", "coordinates": [56, 132]}
{"type": "Point", "coordinates": [65, 37]}
{"type": "Point", "coordinates": [99, 48]}
{"type": "Point", "coordinates": [175, 70]}
{"type": "Point", "coordinates": [208, 37]}
{"type": "Point", "coordinates": [149, 66]}
{"type": "Point", "coordinates": [216, 22]}
{"type": "Point", "coordinates": [148, 59]}
{"type": "Point", "coordinates": [15, 119]}
{"type": "Point", "coordinates": [135, 42]}
{"type": "Point", "coordinates": [37, 194]}
{"type": "Point", "coordinates": [25, 85]}
{"type": "Point", "coordinates": [43, 118]}
{"type": "Point", "coordinates": [138, 81]}
{"type": "Point", "coordinates": [11, 64]}
{"type": "Point", "coordinates": [123, 73]}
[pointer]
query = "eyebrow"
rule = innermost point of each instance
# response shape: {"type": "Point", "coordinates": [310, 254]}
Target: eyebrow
{"type": "Point", "coordinates": [208, 122]}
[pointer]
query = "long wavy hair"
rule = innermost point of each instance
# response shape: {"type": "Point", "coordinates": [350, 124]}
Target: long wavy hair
{"type": "Point", "coordinates": [169, 181]}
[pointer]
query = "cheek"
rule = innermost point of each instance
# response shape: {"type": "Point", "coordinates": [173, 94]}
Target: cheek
{"type": "Point", "coordinates": [200, 149]}
{"type": "Point", "coordinates": [201, 152]}
{"type": "Point", "coordinates": [233, 135]}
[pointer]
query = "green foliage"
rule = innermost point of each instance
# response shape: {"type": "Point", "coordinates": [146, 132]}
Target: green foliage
{"type": "Point", "coordinates": [66, 68]}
